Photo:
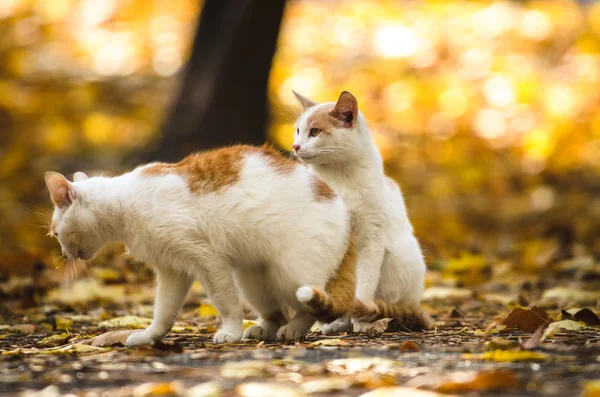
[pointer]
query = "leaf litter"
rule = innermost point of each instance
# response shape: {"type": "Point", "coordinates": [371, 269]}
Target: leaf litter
{"type": "Point", "coordinates": [504, 337]}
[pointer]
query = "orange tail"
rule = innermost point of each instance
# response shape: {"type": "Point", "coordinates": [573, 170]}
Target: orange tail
{"type": "Point", "coordinates": [322, 305]}
{"type": "Point", "coordinates": [406, 318]}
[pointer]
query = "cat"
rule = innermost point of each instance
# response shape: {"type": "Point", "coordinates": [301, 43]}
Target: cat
{"type": "Point", "coordinates": [333, 140]}
{"type": "Point", "coordinates": [234, 218]}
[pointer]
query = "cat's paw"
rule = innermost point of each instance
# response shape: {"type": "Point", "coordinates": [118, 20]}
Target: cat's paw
{"type": "Point", "coordinates": [222, 336]}
{"type": "Point", "coordinates": [289, 332]}
{"type": "Point", "coordinates": [336, 327]}
{"type": "Point", "coordinates": [139, 338]}
{"type": "Point", "coordinates": [361, 326]}
{"type": "Point", "coordinates": [257, 332]}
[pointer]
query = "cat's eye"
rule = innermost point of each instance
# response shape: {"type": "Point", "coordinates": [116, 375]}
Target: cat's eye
{"type": "Point", "coordinates": [314, 132]}
{"type": "Point", "coordinates": [297, 131]}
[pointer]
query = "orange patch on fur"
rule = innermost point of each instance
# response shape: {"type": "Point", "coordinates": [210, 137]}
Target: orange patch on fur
{"type": "Point", "coordinates": [321, 190]}
{"type": "Point", "coordinates": [322, 120]}
{"type": "Point", "coordinates": [214, 170]}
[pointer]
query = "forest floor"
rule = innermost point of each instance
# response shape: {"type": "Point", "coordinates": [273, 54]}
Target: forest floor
{"type": "Point", "coordinates": [511, 334]}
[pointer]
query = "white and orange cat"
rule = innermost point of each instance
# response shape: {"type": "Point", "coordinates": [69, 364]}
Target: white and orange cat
{"type": "Point", "coordinates": [239, 218]}
{"type": "Point", "coordinates": [334, 141]}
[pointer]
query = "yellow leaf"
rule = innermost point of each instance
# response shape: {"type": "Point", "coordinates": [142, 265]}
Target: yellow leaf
{"type": "Point", "coordinates": [207, 310]}
{"type": "Point", "coordinates": [568, 325]}
{"type": "Point", "coordinates": [126, 321]}
{"type": "Point", "coordinates": [592, 389]}
{"type": "Point", "coordinates": [64, 323]}
{"type": "Point", "coordinates": [507, 356]}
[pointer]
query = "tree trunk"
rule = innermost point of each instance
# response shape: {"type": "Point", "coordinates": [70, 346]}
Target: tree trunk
{"type": "Point", "coordinates": [223, 98]}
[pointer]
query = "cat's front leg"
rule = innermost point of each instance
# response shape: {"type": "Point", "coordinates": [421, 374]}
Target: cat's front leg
{"type": "Point", "coordinates": [217, 280]}
{"type": "Point", "coordinates": [368, 270]}
{"type": "Point", "coordinates": [171, 291]}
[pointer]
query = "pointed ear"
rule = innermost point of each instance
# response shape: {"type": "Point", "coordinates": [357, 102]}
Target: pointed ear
{"type": "Point", "coordinates": [346, 109]}
{"type": "Point", "coordinates": [79, 176]}
{"type": "Point", "coordinates": [61, 191]}
{"type": "Point", "coordinates": [304, 101]}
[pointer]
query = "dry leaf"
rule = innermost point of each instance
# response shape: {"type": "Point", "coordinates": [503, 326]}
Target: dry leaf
{"type": "Point", "coordinates": [534, 341]}
{"type": "Point", "coordinates": [110, 338]}
{"type": "Point", "coordinates": [326, 385]}
{"type": "Point", "coordinates": [568, 325]}
{"type": "Point", "coordinates": [329, 342]}
{"type": "Point", "coordinates": [586, 315]}
{"type": "Point", "coordinates": [526, 320]}
{"type": "Point", "coordinates": [25, 329]}
{"type": "Point", "coordinates": [208, 389]}
{"type": "Point", "coordinates": [486, 381]}
{"type": "Point", "coordinates": [409, 346]}
{"type": "Point", "coordinates": [404, 392]}
{"type": "Point", "coordinates": [255, 389]}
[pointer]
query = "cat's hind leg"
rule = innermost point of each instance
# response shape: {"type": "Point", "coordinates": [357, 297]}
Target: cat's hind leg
{"type": "Point", "coordinates": [255, 287]}
{"type": "Point", "coordinates": [297, 328]}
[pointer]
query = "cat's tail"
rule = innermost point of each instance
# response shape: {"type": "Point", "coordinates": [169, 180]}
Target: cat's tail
{"type": "Point", "coordinates": [406, 318]}
{"type": "Point", "coordinates": [323, 306]}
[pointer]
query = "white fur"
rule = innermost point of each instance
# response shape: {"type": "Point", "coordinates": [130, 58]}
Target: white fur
{"type": "Point", "coordinates": [390, 262]}
{"type": "Point", "coordinates": [304, 294]}
{"type": "Point", "coordinates": [265, 236]}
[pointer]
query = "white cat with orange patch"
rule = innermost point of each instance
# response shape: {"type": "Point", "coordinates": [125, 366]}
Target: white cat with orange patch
{"type": "Point", "coordinates": [240, 218]}
{"type": "Point", "coordinates": [334, 141]}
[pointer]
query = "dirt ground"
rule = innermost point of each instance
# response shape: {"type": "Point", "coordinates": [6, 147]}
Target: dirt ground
{"type": "Point", "coordinates": [510, 335]}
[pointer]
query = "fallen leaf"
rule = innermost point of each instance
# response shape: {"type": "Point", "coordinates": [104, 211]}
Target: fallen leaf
{"type": "Point", "coordinates": [526, 320]}
{"type": "Point", "coordinates": [256, 389]}
{"type": "Point", "coordinates": [206, 310]}
{"type": "Point", "coordinates": [110, 338]}
{"type": "Point", "coordinates": [157, 389]}
{"type": "Point", "coordinates": [586, 315]}
{"type": "Point", "coordinates": [534, 341]}
{"type": "Point", "coordinates": [456, 313]}
{"type": "Point", "coordinates": [329, 342]}
{"type": "Point", "coordinates": [378, 327]}
{"type": "Point", "coordinates": [592, 389]}
{"type": "Point", "coordinates": [54, 340]}
{"type": "Point", "coordinates": [409, 346]}
{"type": "Point", "coordinates": [126, 321]}
{"type": "Point", "coordinates": [25, 329]}
{"type": "Point", "coordinates": [244, 369]}
{"type": "Point", "coordinates": [486, 381]}
{"type": "Point", "coordinates": [568, 325]}
{"type": "Point", "coordinates": [208, 389]}
{"type": "Point", "coordinates": [501, 344]}
{"type": "Point", "coordinates": [351, 366]}
{"type": "Point", "coordinates": [567, 295]}
{"type": "Point", "coordinates": [49, 391]}
{"type": "Point", "coordinates": [404, 392]}
{"type": "Point", "coordinates": [326, 385]}
{"type": "Point", "coordinates": [507, 356]}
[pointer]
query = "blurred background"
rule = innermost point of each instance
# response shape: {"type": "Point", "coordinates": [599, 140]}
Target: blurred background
{"type": "Point", "coordinates": [486, 112]}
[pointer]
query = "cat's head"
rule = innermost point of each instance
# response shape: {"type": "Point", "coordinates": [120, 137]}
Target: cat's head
{"type": "Point", "coordinates": [74, 223]}
{"type": "Point", "coordinates": [329, 132]}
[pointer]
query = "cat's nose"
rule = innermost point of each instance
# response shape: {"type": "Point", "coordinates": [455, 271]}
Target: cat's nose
{"type": "Point", "coordinates": [296, 147]}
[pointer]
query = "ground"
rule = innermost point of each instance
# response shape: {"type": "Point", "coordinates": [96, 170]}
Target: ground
{"type": "Point", "coordinates": [508, 334]}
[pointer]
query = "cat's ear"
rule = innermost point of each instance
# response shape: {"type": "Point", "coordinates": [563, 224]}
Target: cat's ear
{"type": "Point", "coordinates": [61, 191]}
{"type": "Point", "coordinates": [79, 176]}
{"type": "Point", "coordinates": [346, 109]}
{"type": "Point", "coordinates": [304, 101]}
